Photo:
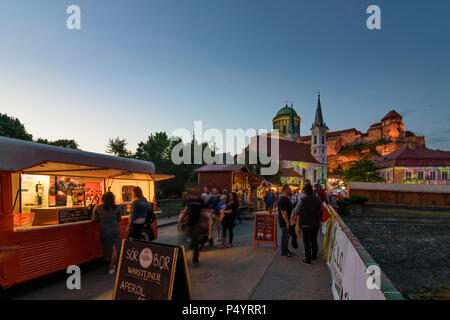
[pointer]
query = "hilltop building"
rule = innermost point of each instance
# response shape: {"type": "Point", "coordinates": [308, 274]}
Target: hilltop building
{"type": "Point", "coordinates": [382, 138]}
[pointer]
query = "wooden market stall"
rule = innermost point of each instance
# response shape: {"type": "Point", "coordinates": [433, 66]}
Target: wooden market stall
{"type": "Point", "coordinates": [46, 199]}
{"type": "Point", "coordinates": [232, 178]}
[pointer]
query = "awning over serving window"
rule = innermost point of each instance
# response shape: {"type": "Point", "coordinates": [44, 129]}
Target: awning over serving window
{"type": "Point", "coordinates": [35, 158]}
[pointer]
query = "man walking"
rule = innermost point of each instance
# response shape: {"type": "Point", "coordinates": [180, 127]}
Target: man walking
{"type": "Point", "coordinates": [284, 212]}
{"type": "Point", "coordinates": [309, 220]}
{"type": "Point", "coordinates": [191, 216]}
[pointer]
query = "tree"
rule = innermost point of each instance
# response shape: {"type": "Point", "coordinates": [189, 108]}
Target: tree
{"type": "Point", "coordinates": [12, 128]}
{"type": "Point", "coordinates": [362, 171]}
{"type": "Point", "coordinates": [158, 149]}
{"type": "Point", "coordinates": [118, 148]}
{"type": "Point", "coordinates": [65, 143]}
{"type": "Point", "coordinates": [409, 134]}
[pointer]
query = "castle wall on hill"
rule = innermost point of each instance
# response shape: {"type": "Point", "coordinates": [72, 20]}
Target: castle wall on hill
{"type": "Point", "coordinates": [390, 129]}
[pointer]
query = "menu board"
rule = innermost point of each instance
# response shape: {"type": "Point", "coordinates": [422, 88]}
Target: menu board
{"type": "Point", "coordinates": [151, 271]}
{"type": "Point", "coordinates": [74, 215]}
{"type": "Point", "coordinates": [265, 229]}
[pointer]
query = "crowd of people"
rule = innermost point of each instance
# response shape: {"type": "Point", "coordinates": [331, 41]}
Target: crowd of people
{"type": "Point", "coordinates": [213, 210]}
{"type": "Point", "coordinates": [300, 215]}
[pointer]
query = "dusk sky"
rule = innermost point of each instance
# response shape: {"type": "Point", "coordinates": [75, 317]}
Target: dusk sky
{"type": "Point", "coordinates": [138, 67]}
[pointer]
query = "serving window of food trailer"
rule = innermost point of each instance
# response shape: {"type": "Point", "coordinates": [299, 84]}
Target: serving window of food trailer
{"type": "Point", "coordinates": [47, 197]}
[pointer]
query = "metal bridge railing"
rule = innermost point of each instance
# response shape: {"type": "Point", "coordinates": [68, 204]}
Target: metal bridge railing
{"type": "Point", "coordinates": [169, 207]}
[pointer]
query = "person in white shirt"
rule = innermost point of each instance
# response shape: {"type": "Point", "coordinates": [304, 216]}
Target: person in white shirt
{"type": "Point", "coordinates": [206, 195]}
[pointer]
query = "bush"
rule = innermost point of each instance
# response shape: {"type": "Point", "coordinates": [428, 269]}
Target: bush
{"type": "Point", "coordinates": [343, 206]}
{"type": "Point", "coordinates": [358, 199]}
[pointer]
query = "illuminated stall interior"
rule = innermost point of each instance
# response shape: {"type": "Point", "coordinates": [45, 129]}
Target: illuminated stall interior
{"type": "Point", "coordinates": [44, 191]}
{"type": "Point", "coordinates": [52, 185]}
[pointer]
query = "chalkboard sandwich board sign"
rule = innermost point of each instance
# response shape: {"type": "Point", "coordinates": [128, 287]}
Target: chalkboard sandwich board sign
{"type": "Point", "coordinates": [265, 229]}
{"type": "Point", "coordinates": [152, 271]}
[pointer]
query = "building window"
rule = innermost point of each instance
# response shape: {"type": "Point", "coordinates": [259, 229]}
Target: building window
{"type": "Point", "coordinates": [304, 173]}
{"type": "Point", "coordinates": [433, 175]}
{"type": "Point", "coordinates": [284, 129]}
{"type": "Point", "coordinates": [388, 176]}
{"type": "Point", "coordinates": [315, 139]}
{"type": "Point", "coordinates": [323, 140]}
{"type": "Point", "coordinates": [408, 175]}
{"type": "Point", "coordinates": [315, 175]}
{"type": "Point", "coordinates": [444, 175]}
{"type": "Point", "coordinates": [420, 175]}
{"type": "Point", "coordinates": [382, 175]}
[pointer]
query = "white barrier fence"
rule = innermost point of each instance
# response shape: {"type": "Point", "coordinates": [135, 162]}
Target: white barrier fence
{"type": "Point", "coordinates": [352, 278]}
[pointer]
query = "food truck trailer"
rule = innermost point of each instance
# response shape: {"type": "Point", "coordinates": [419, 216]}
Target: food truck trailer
{"type": "Point", "coordinates": [47, 194]}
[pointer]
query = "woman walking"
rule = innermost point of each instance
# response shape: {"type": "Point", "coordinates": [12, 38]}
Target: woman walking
{"type": "Point", "coordinates": [228, 216]}
{"type": "Point", "coordinates": [108, 216]}
{"type": "Point", "coordinates": [138, 214]}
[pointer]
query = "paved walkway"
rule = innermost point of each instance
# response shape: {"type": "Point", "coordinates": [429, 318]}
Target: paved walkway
{"type": "Point", "coordinates": [163, 222]}
{"type": "Point", "coordinates": [240, 272]}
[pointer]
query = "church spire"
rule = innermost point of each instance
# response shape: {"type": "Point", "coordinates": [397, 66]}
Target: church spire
{"type": "Point", "coordinates": [319, 118]}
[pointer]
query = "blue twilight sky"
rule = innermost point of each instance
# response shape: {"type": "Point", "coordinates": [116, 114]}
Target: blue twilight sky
{"type": "Point", "coordinates": [142, 66]}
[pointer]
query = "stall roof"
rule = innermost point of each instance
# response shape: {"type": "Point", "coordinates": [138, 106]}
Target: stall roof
{"type": "Point", "coordinates": [29, 157]}
{"type": "Point", "coordinates": [289, 172]}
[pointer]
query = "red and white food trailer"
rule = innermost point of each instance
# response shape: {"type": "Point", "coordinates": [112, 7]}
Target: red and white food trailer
{"type": "Point", "coordinates": [45, 196]}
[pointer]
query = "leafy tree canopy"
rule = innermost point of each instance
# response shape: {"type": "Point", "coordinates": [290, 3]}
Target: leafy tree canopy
{"type": "Point", "coordinates": [158, 149]}
{"type": "Point", "coordinates": [362, 171]}
{"type": "Point", "coordinates": [65, 143]}
{"type": "Point", "coordinates": [118, 148]}
{"type": "Point", "coordinates": [12, 128]}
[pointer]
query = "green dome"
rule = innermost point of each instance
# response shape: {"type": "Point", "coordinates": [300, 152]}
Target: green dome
{"type": "Point", "coordinates": [285, 112]}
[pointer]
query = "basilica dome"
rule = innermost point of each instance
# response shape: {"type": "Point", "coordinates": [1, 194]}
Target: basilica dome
{"type": "Point", "coordinates": [286, 111]}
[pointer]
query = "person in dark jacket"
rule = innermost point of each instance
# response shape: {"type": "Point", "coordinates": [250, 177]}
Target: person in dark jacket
{"type": "Point", "coordinates": [309, 220]}
{"type": "Point", "coordinates": [284, 212]}
{"type": "Point", "coordinates": [191, 216]}
{"type": "Point", "coordinates": [228, 215]}
{"type": "Point", "coordinates": [108, 216]}
{"type": "Point", "coordinates": [138, 213]}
